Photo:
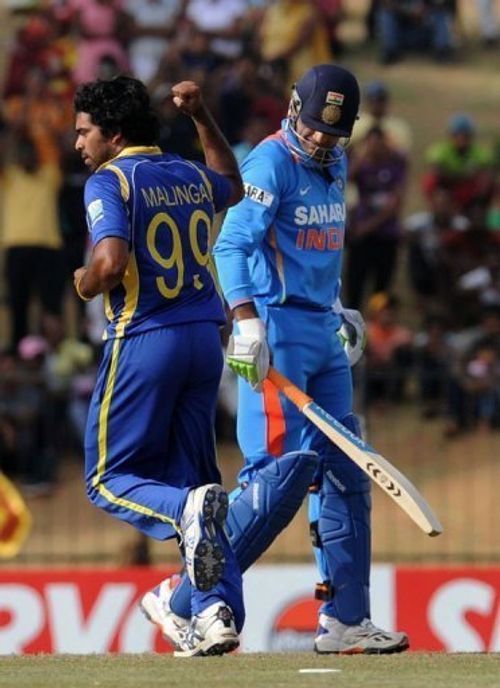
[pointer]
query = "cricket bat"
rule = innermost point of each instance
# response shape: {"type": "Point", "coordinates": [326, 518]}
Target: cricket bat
{"type": "Point", "coordinates": [381, 471]}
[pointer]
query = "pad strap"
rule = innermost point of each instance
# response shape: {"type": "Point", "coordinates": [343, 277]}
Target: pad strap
{"type": "Point", "coordinates": [324, 591]}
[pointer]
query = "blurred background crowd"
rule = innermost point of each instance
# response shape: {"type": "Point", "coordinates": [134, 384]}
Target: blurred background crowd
{"type": "Point", "coordinates": [425, 273]}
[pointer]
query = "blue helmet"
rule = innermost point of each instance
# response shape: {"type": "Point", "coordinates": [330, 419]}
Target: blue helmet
{"type": "Point", "coordinates": [326, 98]}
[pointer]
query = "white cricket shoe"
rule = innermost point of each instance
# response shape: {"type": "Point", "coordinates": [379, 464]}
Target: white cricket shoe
{"type": "Point", "coordinates": [213, 632]}
{"type": "Point", "coordinates": [202, 524]}
{"type": "Point", "coordinates": [334, 637]}
{"type": "Point", "coordinates": [155, 605]}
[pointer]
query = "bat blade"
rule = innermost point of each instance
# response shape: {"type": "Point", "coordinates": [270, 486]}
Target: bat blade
{"type": "Point", "coordinates": [380, 470]}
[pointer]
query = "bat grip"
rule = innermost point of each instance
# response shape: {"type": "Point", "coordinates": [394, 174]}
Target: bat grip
{"type": "Point", "coordinates": [290, 390]}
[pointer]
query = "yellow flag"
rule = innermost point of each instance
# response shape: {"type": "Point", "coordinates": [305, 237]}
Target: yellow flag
{"type": "Point", "coordinates": [15, 519]}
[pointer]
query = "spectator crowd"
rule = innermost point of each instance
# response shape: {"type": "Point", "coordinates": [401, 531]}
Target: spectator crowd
{"type": "Point", "coordinates": [245, 54]}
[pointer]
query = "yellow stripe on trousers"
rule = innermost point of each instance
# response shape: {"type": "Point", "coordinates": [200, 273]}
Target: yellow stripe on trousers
{"type": "Point", "coordinates": [103, 449]}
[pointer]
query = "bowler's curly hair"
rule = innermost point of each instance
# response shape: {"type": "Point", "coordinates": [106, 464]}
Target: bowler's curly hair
{"type": "Point", "coordinates": [120, 106]}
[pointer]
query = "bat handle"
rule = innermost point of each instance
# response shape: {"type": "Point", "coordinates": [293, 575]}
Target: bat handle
{"type": "Point", "coordinates": [290, 390]}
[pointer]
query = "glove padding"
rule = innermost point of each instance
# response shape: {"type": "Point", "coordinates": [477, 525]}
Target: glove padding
{"type": "Point", "coordinates": [247, 352]}
{"type": "Point", "coordinates": [352, 334]}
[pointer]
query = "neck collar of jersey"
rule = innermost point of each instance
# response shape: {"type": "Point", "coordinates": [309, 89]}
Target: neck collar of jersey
{"type": "Point", "coordinates": [140, 150]}
{"type": "Point", "coordinates": [133, 150]}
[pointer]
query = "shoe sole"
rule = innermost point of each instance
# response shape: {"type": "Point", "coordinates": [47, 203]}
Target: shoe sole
{"type": "Point", "coordinates": [206, 564]}
{"type": "Point", "coordinates": [365, 650]}
{"type": "Point", "coordinates": [207, 649]}
{"type": "Point", "coordinates": [222, 648]}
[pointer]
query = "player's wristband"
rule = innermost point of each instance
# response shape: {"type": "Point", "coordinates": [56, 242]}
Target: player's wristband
{"type": "Point", "coordinates": [78, 291]}
{"type": "Point", "coordinates": [252, 327]}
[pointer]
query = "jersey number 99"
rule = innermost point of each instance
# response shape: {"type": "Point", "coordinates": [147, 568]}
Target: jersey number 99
{"type": "Point", "coordinates": [176, 258]}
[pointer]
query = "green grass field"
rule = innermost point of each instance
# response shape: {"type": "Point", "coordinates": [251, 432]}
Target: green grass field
{"type": "Point", "coordinates": [252, 671]}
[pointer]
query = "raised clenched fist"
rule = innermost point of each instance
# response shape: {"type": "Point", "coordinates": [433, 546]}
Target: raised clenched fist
{"type": "Point", "coordinates": [187, 97]}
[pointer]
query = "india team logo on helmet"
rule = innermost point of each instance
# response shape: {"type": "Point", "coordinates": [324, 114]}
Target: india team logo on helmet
{"type": "Point", "coordinates": [332, 111]}
{"type": "Point", "coordinates": [331, 114]}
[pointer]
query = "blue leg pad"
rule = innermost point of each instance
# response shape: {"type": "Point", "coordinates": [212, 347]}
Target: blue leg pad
{"type": "Point", "coordinates": [266, 506]}
{"type": "Point", "coordinates": [340, 513]}
{"type": "Point", "coordinates": [259, 512]}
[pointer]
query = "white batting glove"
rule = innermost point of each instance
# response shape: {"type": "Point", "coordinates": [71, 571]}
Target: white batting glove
{"type": "Point", "coordinates": [352, 333]}
{"type": "Point", "coordinates": [247, 352]}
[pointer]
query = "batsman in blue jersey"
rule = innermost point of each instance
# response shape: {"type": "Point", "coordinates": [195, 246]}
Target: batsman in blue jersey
{"type": "Point", "coordinates": [149, 447]}
{"type": "Point", "coordinates": [279, 258]}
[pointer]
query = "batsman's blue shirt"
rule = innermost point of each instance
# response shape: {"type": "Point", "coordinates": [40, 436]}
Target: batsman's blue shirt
{"type": "Point", "coordinates": [163, 207]}
{"type": "Point", "coordinates": [282, 244]}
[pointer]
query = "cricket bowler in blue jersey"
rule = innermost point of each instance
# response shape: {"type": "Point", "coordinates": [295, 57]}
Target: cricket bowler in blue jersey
{"type": "Point", "coordinates": [149, 448]}
{"type": "Point", "coordinates": [279, 258]}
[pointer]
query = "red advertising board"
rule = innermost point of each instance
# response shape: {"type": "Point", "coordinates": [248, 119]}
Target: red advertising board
{"type": "Point", "coordinates": [95, 611]}
{"type": "Point", "coordinates": [451, 609]}
{"type": "Point", "coordinates": [77, 611]}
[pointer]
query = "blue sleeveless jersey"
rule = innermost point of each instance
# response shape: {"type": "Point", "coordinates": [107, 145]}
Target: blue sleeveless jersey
{"type": "Point", "coordinates": [163, 206]}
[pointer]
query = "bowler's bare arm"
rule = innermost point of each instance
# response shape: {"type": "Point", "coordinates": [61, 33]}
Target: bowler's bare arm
{"type": "Point", "coordinates": [218, 154]}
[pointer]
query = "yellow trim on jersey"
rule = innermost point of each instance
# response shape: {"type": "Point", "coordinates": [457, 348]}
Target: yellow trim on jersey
{"type": "Point", "coordinates": [215, 277]}
{"type": "Point", "coordinates": [279, 263]}
{"type": "Point", "coordinates": [140, 150]}
{"type": "Point", "coordinates": [130, 283]}
{"type": "Point", "coordinates": [124, 185]}
{"type": "Point", "coordinates": [108, 309]}
{"type": "Point", "coordinates": [133, 150]}
{"type": "Point", "coordinates": [102, 442]}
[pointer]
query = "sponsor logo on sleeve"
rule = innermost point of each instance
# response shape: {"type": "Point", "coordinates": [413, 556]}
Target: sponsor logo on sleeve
{"type": "Point", "coordinates": [95, 212]}
{"type": "Point", "coordinates": [258, 195]}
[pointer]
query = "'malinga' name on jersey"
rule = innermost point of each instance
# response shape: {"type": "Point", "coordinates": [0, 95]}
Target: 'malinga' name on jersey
{"type": "Point", "coordinates": [175, 195]}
